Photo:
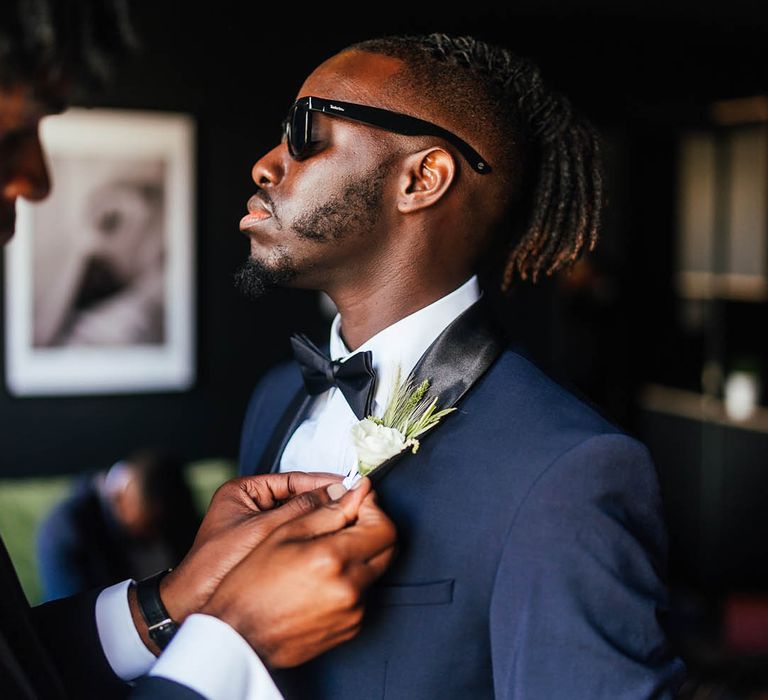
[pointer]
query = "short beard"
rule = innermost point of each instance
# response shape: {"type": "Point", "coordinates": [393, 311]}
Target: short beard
{"type": "Point", "coordinates": [254, 278]}
{"type": "Point", "coordinates": [356, 209]}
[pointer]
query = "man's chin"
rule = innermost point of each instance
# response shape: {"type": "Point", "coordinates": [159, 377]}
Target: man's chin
{"type": "Point", "coordinates": [255, 279]}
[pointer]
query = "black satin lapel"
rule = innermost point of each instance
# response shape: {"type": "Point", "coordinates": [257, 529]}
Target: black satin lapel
{"type": "Point", "coordinates": [290, 420]}
{"type": "Point", "coordinates": [454, 362]}
{"type": "Point", "coordinates": [461, 354]}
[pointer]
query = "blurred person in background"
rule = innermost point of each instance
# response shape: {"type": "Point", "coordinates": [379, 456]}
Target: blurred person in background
{"type": "Point", "coordinates": [130, 521]}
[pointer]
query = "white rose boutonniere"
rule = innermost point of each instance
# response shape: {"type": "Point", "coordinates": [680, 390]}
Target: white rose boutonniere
{"type": "Point", "coordinates": [409, 413]}
{"type": "Point", "coordinates": [375, 443]}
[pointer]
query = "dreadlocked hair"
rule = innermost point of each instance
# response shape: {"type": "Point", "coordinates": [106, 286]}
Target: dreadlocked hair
{"type": "Point", "coordinates": [45, 41]}
{"type": "Point", "coordinates": [550, 153]}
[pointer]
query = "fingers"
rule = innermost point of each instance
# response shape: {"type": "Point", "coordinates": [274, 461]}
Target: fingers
{"type": "Point", "coordinates": [267, 490]}
{"type": "Point", "coordinates": [331, 517]}
{"type": "Point", "coordinates": [296, 507]}
{"type": "Point", "coordinates": [372, 533]}
{"type": "Point", "coordinates": [363, 574]}
{"type": "Point", "coordinates": [362, 543]}
{"type": "Point", "coordinates": [366, 547]}
{"type": "Point", "coordinates": [379, 564]}
{"type": "Point", "coordinates": [363, 548]}
{"type": "Point", "coordinates": [298, 482]}
{"type": "Point", "coordinates": [313, 647]}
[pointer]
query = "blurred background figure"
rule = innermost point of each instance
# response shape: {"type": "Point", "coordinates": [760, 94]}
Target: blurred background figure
{"type": "Point", "coordinates": [130, 521]}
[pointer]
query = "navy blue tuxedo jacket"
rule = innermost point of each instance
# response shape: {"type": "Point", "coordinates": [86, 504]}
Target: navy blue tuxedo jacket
{"type": "Point", "coordinates": [531, 555]}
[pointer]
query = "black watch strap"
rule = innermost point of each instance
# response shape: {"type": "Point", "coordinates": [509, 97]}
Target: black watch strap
{"type": "Point", "coordinates": [159, 623]}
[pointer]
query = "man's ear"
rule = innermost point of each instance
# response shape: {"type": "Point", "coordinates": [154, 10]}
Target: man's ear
{"type": "Point", "coordinates": [426, 177]}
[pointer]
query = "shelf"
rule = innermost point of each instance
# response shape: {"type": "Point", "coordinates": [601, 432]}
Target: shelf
{"type": "Point", "coordinates": [710, 285]}
{"type": "Point", "coordinates": [699, 407]}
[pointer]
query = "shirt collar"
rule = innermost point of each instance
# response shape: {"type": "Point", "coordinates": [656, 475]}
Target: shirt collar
{"type": "Point", "coordinates": [406, 340]}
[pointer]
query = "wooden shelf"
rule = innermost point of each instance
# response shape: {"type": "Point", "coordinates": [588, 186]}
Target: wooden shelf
{"type": "Point", "coordinates": [709, 285]}
{"type": "Point", "coordinates": [699, 407]}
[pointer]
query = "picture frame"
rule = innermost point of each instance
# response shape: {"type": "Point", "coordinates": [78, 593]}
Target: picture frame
{"type": "Point", "coordinates": [99, 280]}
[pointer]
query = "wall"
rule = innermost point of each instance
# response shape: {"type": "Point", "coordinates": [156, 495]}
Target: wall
{"type": "Point", "coordinates": [641, 75]}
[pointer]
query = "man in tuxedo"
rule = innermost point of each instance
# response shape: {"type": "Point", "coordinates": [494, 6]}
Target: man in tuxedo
{"type": "Point", "coordinates": [532, 546]}
{"type": "Point", "coordinates": [278, 567]}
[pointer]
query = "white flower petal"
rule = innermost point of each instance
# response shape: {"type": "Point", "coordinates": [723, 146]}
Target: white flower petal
{"type": "Point", "coordinates": [376, 443]}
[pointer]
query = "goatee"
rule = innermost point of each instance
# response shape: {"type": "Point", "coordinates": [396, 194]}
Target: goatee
{"type": "Point", "coordinates": [254, 278]}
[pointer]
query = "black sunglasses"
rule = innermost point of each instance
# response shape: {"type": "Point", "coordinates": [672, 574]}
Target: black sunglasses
{"type": "Point", "coordinates": [297, 127]}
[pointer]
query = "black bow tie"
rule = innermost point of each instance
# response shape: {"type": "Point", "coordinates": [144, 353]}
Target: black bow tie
{"type": "Point", "coordinates": [354, 377]}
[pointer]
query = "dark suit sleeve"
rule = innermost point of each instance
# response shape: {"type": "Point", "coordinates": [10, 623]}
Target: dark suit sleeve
{"type": "Point", "coordinates": [579, 593]}
{"type": "Point", "coordinates": [154, 688]}
{"type": "Point", "coordinates": [67, 628]}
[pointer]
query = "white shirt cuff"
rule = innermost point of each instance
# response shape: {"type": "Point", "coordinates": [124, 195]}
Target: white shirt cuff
{"type": "Point", "coordinates": [211, 658]}
{"type": "Point", "coordinates": [126, 653]}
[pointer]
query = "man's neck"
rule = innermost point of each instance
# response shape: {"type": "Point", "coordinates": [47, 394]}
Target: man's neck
{"type": "Point", "coordinates": [365, 315]}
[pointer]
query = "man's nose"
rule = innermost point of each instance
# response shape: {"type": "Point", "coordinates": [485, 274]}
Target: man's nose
{"type": "Point", "coordinates": [27, 172]}
{"type": "Point", "coordinates": [269, 169]}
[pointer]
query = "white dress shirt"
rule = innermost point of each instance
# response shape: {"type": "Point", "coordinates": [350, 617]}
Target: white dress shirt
{"type": "Point", "coordinates": [206, 654]}
{"type": "Point", "coordinates": [323, 440]}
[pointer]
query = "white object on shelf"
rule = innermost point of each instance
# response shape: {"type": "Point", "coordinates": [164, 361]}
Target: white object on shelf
{"type": "Point", "coordinates": [741, 392]}
{"type": "Point", "coordinates": [699, 407]}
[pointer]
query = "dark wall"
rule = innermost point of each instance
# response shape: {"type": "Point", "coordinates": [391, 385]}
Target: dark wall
{"type": "Point", "coordinates": [638, 73]}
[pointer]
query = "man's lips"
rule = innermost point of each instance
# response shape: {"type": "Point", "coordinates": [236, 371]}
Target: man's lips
{"type": "Point", "coordinates": [258, 210]}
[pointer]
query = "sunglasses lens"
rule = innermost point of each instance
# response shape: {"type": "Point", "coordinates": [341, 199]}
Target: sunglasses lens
{"type": "Point", "coordinates": [296, 129]}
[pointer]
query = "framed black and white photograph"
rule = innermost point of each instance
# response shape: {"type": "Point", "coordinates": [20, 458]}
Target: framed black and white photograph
{"type": "Point", "coordinates": [99, 279]}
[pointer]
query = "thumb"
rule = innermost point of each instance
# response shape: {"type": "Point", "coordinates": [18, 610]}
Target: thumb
{"type": "Point", "coordinates": [332, 516]}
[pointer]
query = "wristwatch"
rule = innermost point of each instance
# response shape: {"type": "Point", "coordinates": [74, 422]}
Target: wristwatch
{"type": "Point", "coordinates": [159, 623]}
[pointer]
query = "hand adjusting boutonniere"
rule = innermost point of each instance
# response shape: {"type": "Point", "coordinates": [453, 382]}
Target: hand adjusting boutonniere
{"type": "Point", "coordinates": [409, 413]}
